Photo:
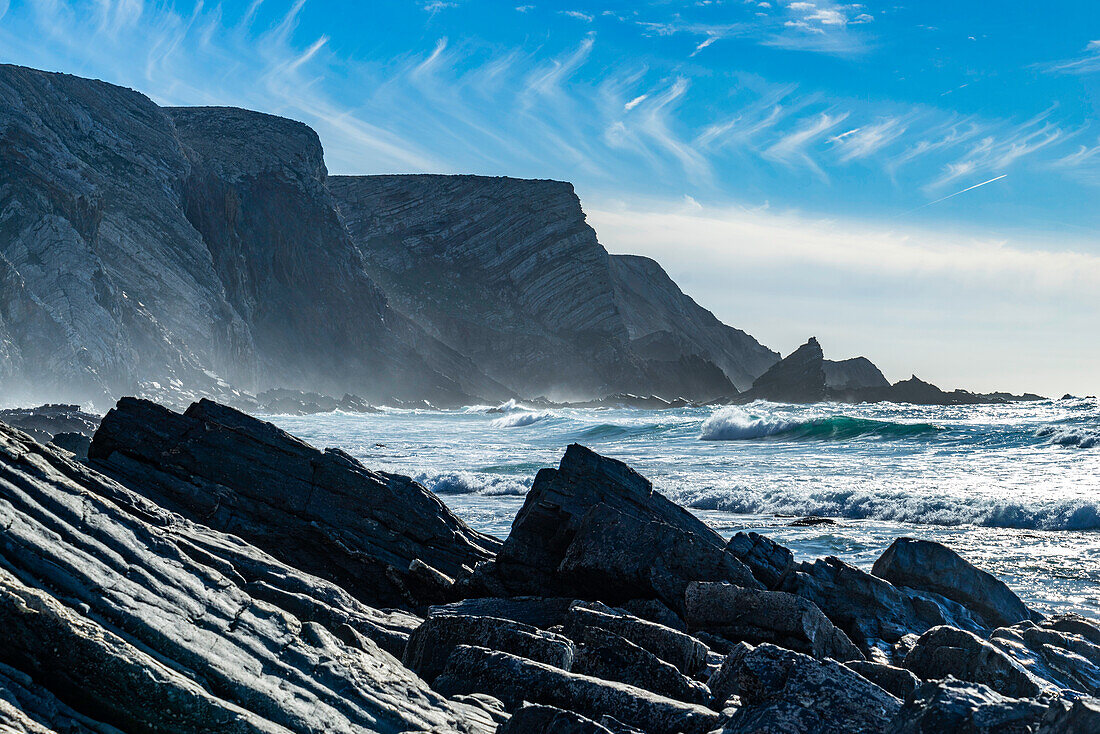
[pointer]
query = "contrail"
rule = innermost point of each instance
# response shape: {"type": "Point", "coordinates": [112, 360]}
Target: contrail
{"type": "Point", "coordinates": [951, 196]}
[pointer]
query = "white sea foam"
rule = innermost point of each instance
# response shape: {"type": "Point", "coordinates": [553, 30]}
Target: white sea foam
{"type": "Point", "coordinates": [734, 424]}
{"type": "Point", "coordinates": [515, 420]}
{"type": "Point", "coordinates": [1083, 437]}
{"type": "Point", "coordinates": [465, 482]}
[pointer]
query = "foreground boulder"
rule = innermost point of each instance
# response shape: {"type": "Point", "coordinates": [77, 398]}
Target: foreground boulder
{"type": "Point", "coordinates": [1066, 659]}
{"type": "Point", "coordinates": [514, 680]}
{"type": "Point", "coordinates": [769, 561]}
{"type": "Point", "coordinates": [557, 511]}
{"type": "Point", "coordinates": [944, 651]}
{"type": "Point", "coordinates": [929, 566]}
{"type": "Point", "coordinates": [783, 691]}
{"type": "Point", "coordinates": [181, 627]}
{"type": "Point", "coordinates": [681, 650]}
{"type": "Point", "coordinates": [432, 642]}
{"type": "Point", "coordinates": [955, 706]}
{"type": "Point", "coordinates": [320, 511]}
{"type": "Point", "coordinates": [749, 615]}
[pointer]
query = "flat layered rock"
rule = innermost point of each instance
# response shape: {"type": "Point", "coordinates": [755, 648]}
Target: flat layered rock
{"type": "Point", "coordinates": [167, 621]}
{"type": "Point", "coordinates": [605, 655]}
{"type": "Point", "coordinates": [896, 681]}
{"type": "Point", "coordinates": [320, 511]}
{"type": "Point", "coordinates": [783, 691]}
{"type": "Point", "coordinates": [537, 611]}
{"type": "Point", "coordinates": [753, 616]}
{"type": "Point", "coordinates": [677, 648]}
{"type": "Point", "coordinates": [432, 642]}
{"type": "Point", "coordinates": [514, 680]}
{"type": "Point", "coordinates": [930, 566]}
{"type": "Point", "coordinates": [944, 651]}
{"type": "Point", "coordinates": [531, 718]}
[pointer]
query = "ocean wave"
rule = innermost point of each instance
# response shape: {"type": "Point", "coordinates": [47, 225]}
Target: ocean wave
{"type": "Point", "coordinates": [901, 506]}
{"type": "Point", "coordinates": [509, 406]}
{"type": "Point", "coordinates": [737, 424]}
{"type": "Point", "coordinates": [1082, 437]}
{"type": "Point", "coordinates": [515, 420]}
{"type": "Point", "coordinates": [465, 482]}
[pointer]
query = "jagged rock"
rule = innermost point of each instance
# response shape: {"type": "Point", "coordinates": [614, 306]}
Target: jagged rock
{"type": "Point", "coordinates": [537, 611]}
{"type": "Point", "coordinates": [783, 691]}
{"type": "Point", "coordinates": [322, 512]}
{"type": "Point", "coordinates": [430, 645]}
{"type": "Point", "coordinates": [967, 708]}
{"type": "Point", "coordinates": [684, 652]}
{"type": "Point", "coordinates": [538, 719]}
{"type": "Point", "coordinates": [723, 682]}
{"type": "Point", "coordinates": [930, 566]}
{"type": "Point", "coordinates": [297, 402]}
{"type": "Point", "coordinates": [485, 712]}
{"type": "Point", "coordinates": [858, 373]}
{"type": "Point", "coordinates": [872, 612]}
{"type": "Point", "coordinates": [797, 378]}
{"type": "Point", "coordinates": [47, 421]}
{"type": "Point", "coordinates": [558, 503]}
{"type": "Point", "coordinates": [1065, 659]}
{"type": "Point", "coordinates": [159, 609]}
{"type": "Point", "coordinates": [749, 615]}
{"type": "Point", "coordinates": [768, 560]}
{"type": "Point", "coordinates": [75, 443]}
{"type": "Point", "coordinates": [514, 680]}
{"type": "Point", "coordinates": [605, 655]}
{"type": "Point", "coordinates": [896, 681]}
{"type": "Point", "coordinates": [944, 651]}
{"type": "Point", "coordinates": [1080, 716]}
{"type": "Point", "coordinates": [615, 556]}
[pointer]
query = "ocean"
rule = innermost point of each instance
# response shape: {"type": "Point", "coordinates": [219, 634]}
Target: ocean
{"type": "Point", "coordinates": [1014, 488]}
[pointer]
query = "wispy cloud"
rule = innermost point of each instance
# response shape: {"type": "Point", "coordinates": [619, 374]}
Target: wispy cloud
{"type": "Point", "coordinates": [1088, 62]}
{"type": "Point", "coordinates": [585, 17]}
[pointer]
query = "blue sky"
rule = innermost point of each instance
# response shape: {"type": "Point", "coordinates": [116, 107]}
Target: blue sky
{"type": "Point", "coordinates": [793, 164]}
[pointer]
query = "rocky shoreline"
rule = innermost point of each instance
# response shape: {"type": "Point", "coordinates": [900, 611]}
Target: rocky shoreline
{"type": "Point", "coordinates": [206, 571]}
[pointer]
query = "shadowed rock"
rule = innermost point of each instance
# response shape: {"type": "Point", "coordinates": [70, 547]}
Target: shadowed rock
{"type": "Point", "coordinates": [531, 718]}
{"type": "Point", "coordinates": [768, 560]}
{"type": "Point", "coordinates": [749, 615]}
{"type": "Point", "coordinates": [929, 566]}
{"type": "Point", "coordinates": [537, 611]}
{"type": "Point", "coordinates": [1065, 659]}
{"type": "Point", "coordinates": [684, 652]}
{"type": "Point", "coordinates": [514, 680]}
{"type": "Point", "coordinates": [322, 512]}
{"type": "Point", "coordinates": [723, 682]}
{"type": "Point", "coordinates": [956, 706]}
{"type": "Point", "coordinates": [605, 655]}
{"type": "Point", "coordinates": [944, 651]}
{"type": "Point", "coordinates": [896, 681]}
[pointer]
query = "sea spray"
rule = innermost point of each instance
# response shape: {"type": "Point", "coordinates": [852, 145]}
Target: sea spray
{"type": "Point", "coordinates": [738, 424]}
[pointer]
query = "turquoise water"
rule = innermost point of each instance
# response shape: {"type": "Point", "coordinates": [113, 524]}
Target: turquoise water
{"type": "Point", "coordinates": [1015, 488]}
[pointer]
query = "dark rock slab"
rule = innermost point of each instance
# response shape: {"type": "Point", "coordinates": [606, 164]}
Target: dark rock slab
{"type": "Point", "coordinates": [431, 644]}
{"type": "Point", "coordinates": [46, 421]}
{"type": "Point", "coordinates": [653, 610]}
{"type": "Point", "coordinates": [967, 708]}
{"type": "Point", "coordinates": [723, 682]}
{"type": "Point", "coordinates": [605, 655]}
{"type": "Point", "coordinates": [537, 611]}
{"type": "Point", "coordinates": [944, 651]}
{"type": "Point", "coordinates": [135, 604]}
{"type": "Point", "coordinates": [514, 680]}
{"type": "Point", "coordinates": [783, 691]}
{"type": "Point", "coordinates": [556, 506]}
{"type": "Point", "coordinates": [615, 556]}
{"type": "Point", "coordinates": [930, 566]}
{"type": "Point", "coordinates": [1080, 716]}
{"type": "Point", "coordinates": [897, 681]}
{"type": "Point", "coordinates": [27, 707]}
{"type": "Point", "coordinates": [320, 511]}
{"type": "Point", "coordinates": [753, 616]}
{"type": "Point", "coordinates": [75, 443]}
{"type": "Point", "coordinates": [797, 378]}
{"type": "Point", "coordinates": [872, 612]}
{"type": "Point", "coordinates": [538, 719]}
{"type": "Point", "coordinates": [677, 648]}
{"type": "Point", "coordinates": [769, 561]}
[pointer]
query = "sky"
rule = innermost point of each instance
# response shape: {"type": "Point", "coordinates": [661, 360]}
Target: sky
{"type": "Point", "coordinates": [917, 183]}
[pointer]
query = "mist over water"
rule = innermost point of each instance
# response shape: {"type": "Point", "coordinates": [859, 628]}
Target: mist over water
{"type": "Point", "coordinates": [1014, 488]}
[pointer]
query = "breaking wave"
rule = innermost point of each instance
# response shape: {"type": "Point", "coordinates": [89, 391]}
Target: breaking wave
{"type": "Point", "coordinates": [515, 420]}
{"type": "Point", "coordinates": [466, 482]}
{"type": "Point", "coordinates": [1081, 437]}
{"type": "Point", "coordinates": [737, 424]}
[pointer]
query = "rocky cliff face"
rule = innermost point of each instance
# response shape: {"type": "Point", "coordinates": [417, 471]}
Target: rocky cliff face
{"type": "Point", "coordinates": [185, 248]}
{"type": "Point", "coordinates": [508, 272]}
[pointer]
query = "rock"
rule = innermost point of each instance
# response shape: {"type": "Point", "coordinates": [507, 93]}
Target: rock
{"type": "Point", "coordinates": [1065, 659]}
{"type": "Point", "coordinates": [812, 521]}
{"type": "Point", "coordinates": [944, 651]}
{"type": "Point", "coordinates": [896, 681]}
{"type": "Point", "coordinates": [486, 712]}
{"type": "Point", "coordinates": [1080, 716]}
{"type": "Point", "coordinates": [27, 707]}
{"type": "Point", "coordinates": [47, 421]}
{"type": "Point", "coordinates": [653, 610]}
{"type": "Point", "coordinates": [538, 719]}
{"type": "Point", "coordinates": [858, 373]}
{"type": "Point", "coordinates": [605, 655]}
{"type": "Point", "coordinates": [322, 512]}
{"type": "Point", "coordinates": [432, 642]}
{"type": "Point", "coordinates": [684, 652]}
{"type": "Point", "coordinates": [872, 612]}
{"type": "Point", "coordinates": [723, 682]}
{"type": "Point", "coordinates": [749, 615]}
{"type": "Point", "coordinates": [514, 680]}
{"type": "Point", "coordinates": [148, 595]}
{"type": "Point", "coordinates": [1073, 624]}
{"type": "Point", "coordinates": [968, 708]}
{"type": "Point", "coordinates": [783, 691]}
{"type": "Point", "coordinates": [768, 560]}
{"type": "Point", "coordinates": [537, 611]}
{"type": "Point", "coordinates": [929, 566]}
{"type": "Point", "coordinates": [556, 506]}
{"type": "Point", "coordinates": [797, 378]}
{"type": "Point", "coordinates": [75, 443]}
{"type": "Point", "coordinates": [614, 556]}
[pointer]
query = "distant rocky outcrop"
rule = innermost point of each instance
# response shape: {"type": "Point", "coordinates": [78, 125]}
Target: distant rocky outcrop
{"type": "Point", "coordinates": [508, 272]}
{"type": "Point", "coordinates": [127, 605]}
